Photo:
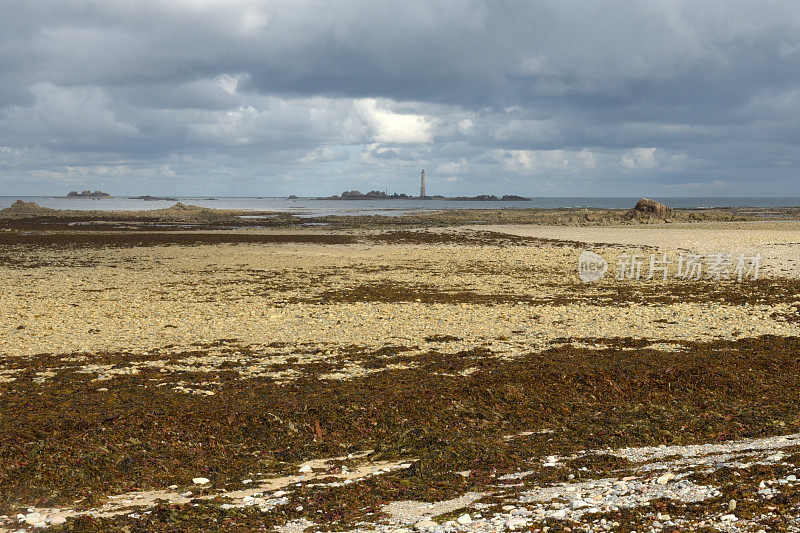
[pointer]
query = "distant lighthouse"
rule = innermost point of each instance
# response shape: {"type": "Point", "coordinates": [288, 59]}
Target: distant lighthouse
{"type": "Point", "coordinates": [422, 184]}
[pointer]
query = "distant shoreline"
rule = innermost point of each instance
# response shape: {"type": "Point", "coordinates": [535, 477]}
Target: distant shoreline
{"type": "Point", "coordinates": [26, 215]}
{"type": "Point", "coordinates": [378, 195]}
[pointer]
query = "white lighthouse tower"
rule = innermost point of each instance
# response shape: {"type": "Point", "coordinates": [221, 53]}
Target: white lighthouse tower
{"type": "Point", "coordinates": [422, 184]}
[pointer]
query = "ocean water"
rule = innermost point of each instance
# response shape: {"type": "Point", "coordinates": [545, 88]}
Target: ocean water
{"type": "Point", "coordinates": [314, 207]}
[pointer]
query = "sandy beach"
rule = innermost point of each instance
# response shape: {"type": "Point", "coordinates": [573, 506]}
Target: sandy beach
{"type": "Point", "coordinates": [445, 379]}
{"type": "Point", "coordinates": [778, 242]}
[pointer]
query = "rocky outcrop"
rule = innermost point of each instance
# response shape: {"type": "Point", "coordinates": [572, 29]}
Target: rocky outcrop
{"type": "Point", "coordinates": [181, 212]}
{"type": "Point", "coordinates": [647, 208]}
{"type": "Point", "coordinates": [24, 209]}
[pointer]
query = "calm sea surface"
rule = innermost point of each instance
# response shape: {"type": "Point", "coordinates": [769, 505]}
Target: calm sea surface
{"type": "Point", "coordinates": [310, 207]}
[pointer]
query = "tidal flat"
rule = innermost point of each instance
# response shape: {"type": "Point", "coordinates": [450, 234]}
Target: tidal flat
{"type": "Point", "coordinates": [435, 375]}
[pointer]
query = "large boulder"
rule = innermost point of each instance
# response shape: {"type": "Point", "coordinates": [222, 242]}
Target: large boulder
{"type": "Point", "coordinates": [650, 208]}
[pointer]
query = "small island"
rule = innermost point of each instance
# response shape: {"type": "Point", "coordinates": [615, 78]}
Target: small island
{"type": "Point", "coordinates": [148, 198]}
{"type": "Point", "coordinates": [491, 198]}
{"type": "Point", "coordinates": [88, 194]}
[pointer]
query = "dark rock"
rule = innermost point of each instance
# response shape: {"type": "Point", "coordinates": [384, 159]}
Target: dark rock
{"type": "Point", "coordinates": [149, 198]}
{"type": "Point", "coordinates": [479, 198]}
{"type": "Point", "coordinates": [514, 198]}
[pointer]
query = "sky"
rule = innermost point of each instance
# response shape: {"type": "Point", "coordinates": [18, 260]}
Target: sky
{"type": "Point", "coordinates": [271, 98]}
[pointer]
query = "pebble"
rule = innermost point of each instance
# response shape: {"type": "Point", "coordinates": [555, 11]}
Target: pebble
{"type": "Point", "coordinates": [201, 480]}
{"type": "Point", "coordinates": [33, 518]}
{"type": "Point", "coordinates": [665, 478]}
{"type": "Point", "coordinates": [516, 523]}
{"type": "Point", "coordinates": [731, 506]}
{"type": "Point", "coordinates": [577, 504]}
{"type": "Point", "coordinates": [425, 525]}
{"type": "Point", "coordinates": [464, 519]}
{"type": "Point", "coordinates": [305, 469]}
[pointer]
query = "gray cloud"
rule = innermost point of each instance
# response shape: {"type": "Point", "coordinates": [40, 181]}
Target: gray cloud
{"type": "Point", "coordinates": [306, 97]}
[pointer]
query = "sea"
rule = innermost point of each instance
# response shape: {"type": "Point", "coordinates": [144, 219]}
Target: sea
{"type": "Point", "coordinates": [313, 207]}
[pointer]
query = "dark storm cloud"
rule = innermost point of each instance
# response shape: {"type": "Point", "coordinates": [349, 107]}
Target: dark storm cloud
{"type": "Point", "coordinates": [603, 95]}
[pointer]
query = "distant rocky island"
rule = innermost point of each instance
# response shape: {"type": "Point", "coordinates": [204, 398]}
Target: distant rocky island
{"type": "Point", "coordinates": [148, 198]}
{"type": "Point", "coordinates": [371, 195]}
{"type": "Point", "coordinates": [491, 198]}
{"type": "Point", "coordinates": [88, 194]}
{"type": "Point", "coordinates": [379, 195]}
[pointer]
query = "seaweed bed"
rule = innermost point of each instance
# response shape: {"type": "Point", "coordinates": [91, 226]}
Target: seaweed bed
{"type": "Point", "coordinates": [131, 238]}
{"type": "Point", "coordinates": [63, 440]}
{"type": "Point", "coordinates": [768, 291]}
